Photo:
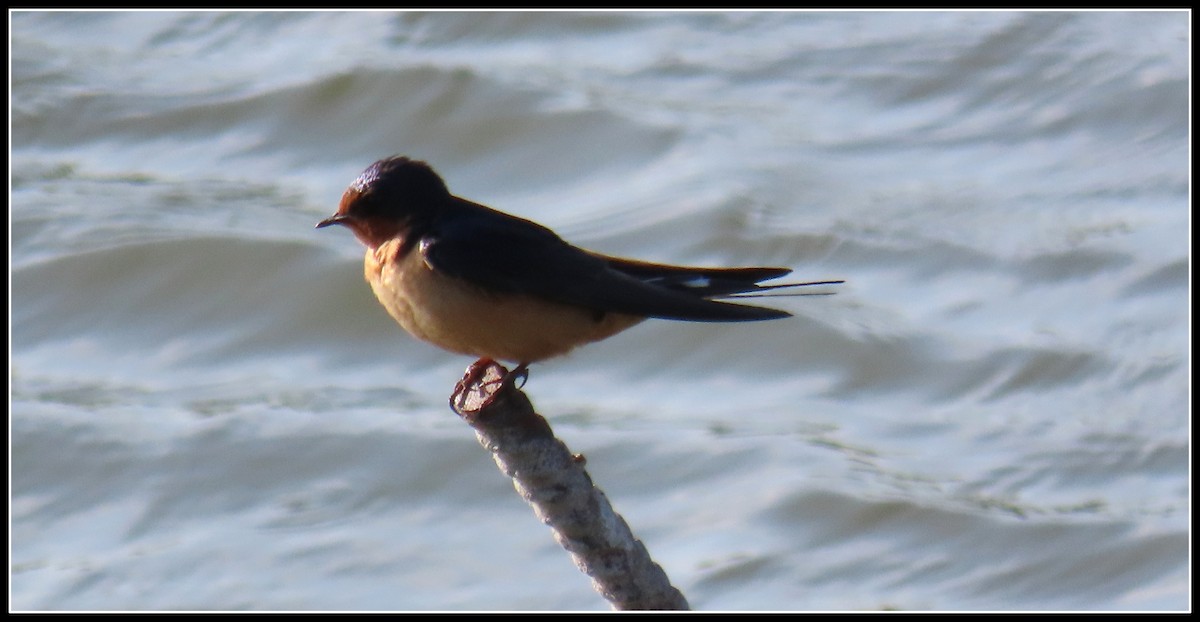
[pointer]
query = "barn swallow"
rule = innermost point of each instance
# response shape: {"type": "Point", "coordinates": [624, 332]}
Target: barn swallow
{"type": "Point", "coordinates": [477, 281]}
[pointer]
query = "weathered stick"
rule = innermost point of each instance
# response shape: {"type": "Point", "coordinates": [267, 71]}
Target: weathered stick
{"type": "Point", "coordinates": [554, 482]}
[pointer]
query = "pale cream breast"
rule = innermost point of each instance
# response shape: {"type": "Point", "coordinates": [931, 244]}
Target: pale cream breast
{"type": "Point", "coordinates": [461, 317]}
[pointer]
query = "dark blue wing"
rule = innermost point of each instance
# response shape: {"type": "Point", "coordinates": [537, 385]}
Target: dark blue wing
{"type": "Point", "coordinates": [505, 254]}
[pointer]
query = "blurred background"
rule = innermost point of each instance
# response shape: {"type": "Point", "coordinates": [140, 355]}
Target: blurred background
{"type": "Point", "coordinates": [211, 411]}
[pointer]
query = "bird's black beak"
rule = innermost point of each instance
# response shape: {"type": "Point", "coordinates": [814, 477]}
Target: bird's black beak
{"type": "Point", "coordinates": [336, 219]}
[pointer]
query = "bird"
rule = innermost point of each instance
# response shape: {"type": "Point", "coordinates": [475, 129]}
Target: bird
{"type": "Point", "coordinates": [477, 281]}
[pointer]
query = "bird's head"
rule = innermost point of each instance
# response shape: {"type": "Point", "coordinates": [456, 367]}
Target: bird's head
{"type": "Point", "coordinates": [389, 198]}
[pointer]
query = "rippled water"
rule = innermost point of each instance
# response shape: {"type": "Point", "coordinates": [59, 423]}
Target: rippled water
{"type": "Point", "coordinates": [210, 411]}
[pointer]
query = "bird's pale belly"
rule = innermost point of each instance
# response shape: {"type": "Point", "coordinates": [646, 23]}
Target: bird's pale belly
{"type": "Point", "coordinates": [463, 318]}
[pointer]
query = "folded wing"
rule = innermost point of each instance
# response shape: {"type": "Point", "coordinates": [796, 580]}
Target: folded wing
{"type": "Point", "coordinates": [502, 253]}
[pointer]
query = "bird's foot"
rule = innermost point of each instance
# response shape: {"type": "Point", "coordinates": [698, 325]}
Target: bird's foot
{"type": "Point", "coordinates": [473, 383]}
{"type": "Point", "coordinates": [518, 373]}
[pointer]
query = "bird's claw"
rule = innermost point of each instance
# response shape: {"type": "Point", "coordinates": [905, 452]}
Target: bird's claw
{"type": "Point", "coordinates": [472, 380]}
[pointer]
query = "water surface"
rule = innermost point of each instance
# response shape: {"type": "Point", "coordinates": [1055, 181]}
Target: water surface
{"type": "Point", "coordinates": [210, 411]}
